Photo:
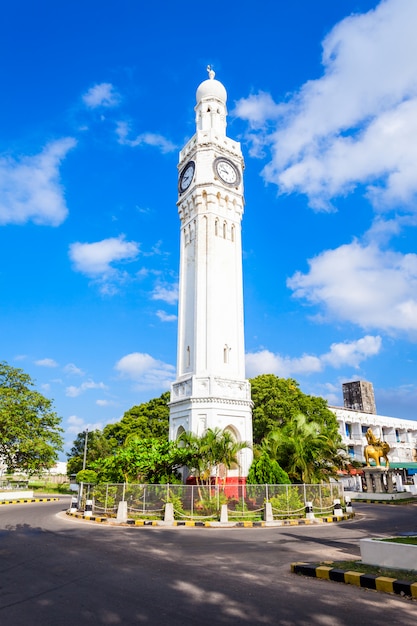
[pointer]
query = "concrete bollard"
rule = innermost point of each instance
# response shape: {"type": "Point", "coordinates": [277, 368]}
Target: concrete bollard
{"type": "Point", "coordinates": [122, 512]}
{"type": "Point", "coordinates": [74, 504]}
{"type": "Point", "coordinates": [337, 508]}
{"type": "Point", "coordinates": [268, 515]}
{"type": "Point", "coordinates": [348, 504]}
{"type": "Point", "coordinates": [309, 510]}
{"type": "Point", "coordinates": [169, 512]}
{"type": "Point", "coordinates": [224, 516]}
{"type": "Point", "coordinates": [88, 511]}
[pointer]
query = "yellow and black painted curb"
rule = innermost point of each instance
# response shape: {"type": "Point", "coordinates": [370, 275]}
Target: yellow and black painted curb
{"type": "Point", "coordinates": [211, 524]}
{"type": "Point", "coordinates": [366, 581]}
{"type": "Point", "coordinates": [29, 500]}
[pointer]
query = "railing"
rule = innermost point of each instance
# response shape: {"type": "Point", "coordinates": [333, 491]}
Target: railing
{"type": "Point", "coordinates": [204, 502]}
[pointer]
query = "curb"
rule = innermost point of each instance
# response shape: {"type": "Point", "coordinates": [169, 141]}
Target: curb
{"type": "Point", "coordinates": [366, 581]}
{"type": "Point", "coordinates": [26, 501]}
{"type": "Point", "coordinates": [302, 522]}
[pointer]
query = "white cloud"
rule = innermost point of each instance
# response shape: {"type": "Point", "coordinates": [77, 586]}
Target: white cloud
{"type": "Point", "coordinates": [364, 285]}
{"type": "Point", "coordinates": [102, 95]}
{"type": "Point", "coordinates": [74, 392]}
{"type": "Point", "coordinates": [30, 187]}
{"type": "Point", "coordinates": [145, 371]}
{"type": "Point", "coordinates": [165, 317]}
{"type": "Point", "coordinates": [144, 139]}
{"type": "Point", "coordinates": [357, 124]}
{"type": "Point", "coordinates": [95, 259]}
{"type": "Point", "coordinates": [46, 363]}
{"type": "Point", "coordinates": [168, 294]}
{"type": "Point", "coordinates": [76, 425]}
{"type": "Point", "coordinates": [105, 403]}
{"type": "Point", "coordinates": [72, 370]}
{"type": "Point", "coordinates": [350, 353]}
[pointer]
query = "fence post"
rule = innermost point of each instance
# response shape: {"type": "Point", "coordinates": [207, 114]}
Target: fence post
{"type": "Point", "coordinates": [266, 494]}
{"type": "Point", "coordinates": [105, 501]}
{"type": "Point", "coordinates": [192, 501]}
{"type": "Point", "coordinates": [337, 508]}
{"type": "Point", "coordinates": [348, 504]}
{"type": "Point", "coordinates": [268, 514]}
{"type": "Point", "coordinates": [224, 517]}
{"type": "Point", "coordinates": [124, 491]}
{"type": "Point", "coordinates": [309, 511]}
{"type": "Point", "coordinates": [88, 512]}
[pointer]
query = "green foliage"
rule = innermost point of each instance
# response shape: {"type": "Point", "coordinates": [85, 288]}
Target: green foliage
{"type": "Point", "coordinates": [288, 501]}
{"type": "Point", "coordinates": [266, 471]}
{"type": "Point", "coordinates": [278, 400]}
{"type": "Point", "coordinates": [304, 449]}
{"type": "Point", "coordinates": [98, 447]}
{"type": "Point", "coordinates": [145, 421]}
{"type": "Point", "coordinates": [142, 461]}
{"type": "Point", "coordinates": [87, 476]}
{"type": "Point", "coordinates": [30, 433]}
{"type": "Point", "coordinates": [215, 450]}
{"type": "Point", "coordinates": [296, 430]}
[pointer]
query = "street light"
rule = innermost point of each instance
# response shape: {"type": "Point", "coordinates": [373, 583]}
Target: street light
{"type": "Point", "coordinates": [80, 492]}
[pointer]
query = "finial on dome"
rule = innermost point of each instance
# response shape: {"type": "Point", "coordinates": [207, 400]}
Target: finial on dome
{"type": "Point", "coordinates": [211, 72]}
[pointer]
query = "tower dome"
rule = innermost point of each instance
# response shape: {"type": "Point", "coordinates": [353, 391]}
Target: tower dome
{"type": "Point", "coordinates": [211, 88]}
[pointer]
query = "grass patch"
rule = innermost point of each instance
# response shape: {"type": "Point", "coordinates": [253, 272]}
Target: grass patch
{"type": "Point", "coordinates": [409, 540]}
{"type": "Point", "coordinates": [358, 566]}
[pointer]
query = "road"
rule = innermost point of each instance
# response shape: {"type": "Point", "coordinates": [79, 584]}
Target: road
{"type": "Point", "coordinates": [58, 570]}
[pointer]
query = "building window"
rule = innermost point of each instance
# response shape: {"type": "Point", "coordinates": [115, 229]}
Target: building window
{"type": "Point", "coordinates": [351, 451]}
{"type": "Point", "coordinates": [233, 232]}
{"type": "Point", "coordinates": [216, 227]}
{"type": "Point", "coordinates": [224, 230]}
{"type": "Point", "coordinates": [188, 359]}
{"type": "Point", "coordinates": [348, 430]}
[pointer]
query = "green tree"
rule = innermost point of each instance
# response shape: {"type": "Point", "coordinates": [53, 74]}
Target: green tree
{"type": "Point", "coordinates": [142, 461]}
{"type": "Point", "coordinates": [304, 450]}
{"type": "Point", "coordinates": [266, 471]}
{"type": "Point", "coordinates": [30, 432]}
{"type": "Point", "coordinates": [278, 400]}
{"type": "Point", "coordinates": [210, 452]}
{"type": "Point", "coordinates": [144, 421]}
{"type": "Point", "coordinates": [98, 447]}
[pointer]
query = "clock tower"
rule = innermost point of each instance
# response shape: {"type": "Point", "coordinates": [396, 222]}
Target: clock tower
{"type": "Point", "coordinates": [210, 390]}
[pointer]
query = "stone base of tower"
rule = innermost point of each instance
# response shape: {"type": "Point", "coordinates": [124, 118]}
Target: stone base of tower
{"type": "Point", "coordinates": [231, 487]}
{"type": "Point", "coordinates": [198, 414]}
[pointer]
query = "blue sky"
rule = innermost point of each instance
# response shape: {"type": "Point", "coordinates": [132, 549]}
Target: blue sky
{"type": "Point", "coordinates": [97, 100]}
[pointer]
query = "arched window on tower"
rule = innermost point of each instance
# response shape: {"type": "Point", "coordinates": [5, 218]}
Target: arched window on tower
{"type": "Point", "coordinates": [232, 232]}
{"type": "Point", "coordinates": [216, 227]}
{"type": "Point", "coordinates": [226, 353]}
{"type": "Point", "coordinates": [224, 230]}
{"type": "Point", "coordinates": [188, 357]}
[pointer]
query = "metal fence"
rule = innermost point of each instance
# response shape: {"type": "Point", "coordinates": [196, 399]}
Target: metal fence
{"type": "Point", "coordinates": [203, 502]}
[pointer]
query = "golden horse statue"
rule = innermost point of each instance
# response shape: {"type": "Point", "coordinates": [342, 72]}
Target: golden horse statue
{"type": "Point", "coordinates": [376, 449]}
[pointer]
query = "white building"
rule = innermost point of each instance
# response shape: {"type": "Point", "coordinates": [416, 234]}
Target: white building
{"type": "Point", "coordinates": [400, 434]}
{"type": "Point", "coordinates": [210, 390]}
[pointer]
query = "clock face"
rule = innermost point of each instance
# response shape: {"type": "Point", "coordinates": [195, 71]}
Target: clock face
{"type": "Point", "coordinates": [186, 176]}
{"type": "Point", "coordinates": [227, 171]}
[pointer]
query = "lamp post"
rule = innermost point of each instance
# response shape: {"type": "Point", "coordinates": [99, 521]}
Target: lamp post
{"type": "Point", "coordinates": [80, 493]}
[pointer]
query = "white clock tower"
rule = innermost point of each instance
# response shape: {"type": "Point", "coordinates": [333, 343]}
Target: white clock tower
{"type": "Point", "coordinates": [210, 390]}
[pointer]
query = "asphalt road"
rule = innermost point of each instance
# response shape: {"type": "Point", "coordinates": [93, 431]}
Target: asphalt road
{"type": "Point", "coordinates": [60, 571]}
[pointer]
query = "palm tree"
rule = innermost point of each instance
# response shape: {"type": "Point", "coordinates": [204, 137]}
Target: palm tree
{"type": "Point", "coordinates": [304, 450]}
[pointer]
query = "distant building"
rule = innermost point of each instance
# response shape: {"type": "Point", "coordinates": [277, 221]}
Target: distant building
{"type": "Point", "coordinates": [359, 396]}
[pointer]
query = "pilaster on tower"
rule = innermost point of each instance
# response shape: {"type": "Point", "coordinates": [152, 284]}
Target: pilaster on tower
{"type": "Point", "coordinates": [210, 390]}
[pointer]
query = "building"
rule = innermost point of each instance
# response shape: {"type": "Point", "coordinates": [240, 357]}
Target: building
{"type": "Point", "coordinates": [210, 390]}
{"type": "Point", "coordinates": [401, 435]}
{"type": "Point", "coordinates": [359, 396]}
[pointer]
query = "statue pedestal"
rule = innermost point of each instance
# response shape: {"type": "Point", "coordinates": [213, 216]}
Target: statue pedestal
{"type": "Point", "coordinates": [378, 480]}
